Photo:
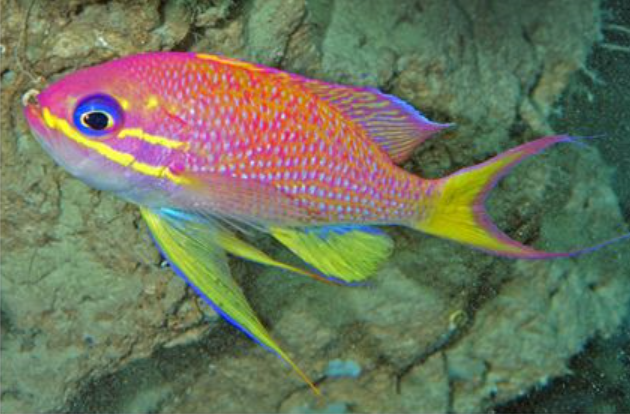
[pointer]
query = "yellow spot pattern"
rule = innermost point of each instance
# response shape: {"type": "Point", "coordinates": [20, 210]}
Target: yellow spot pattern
{"type": "Point", "coordinates": [124, 103]}
{"type": "Point", "coordinates": [152, 102]}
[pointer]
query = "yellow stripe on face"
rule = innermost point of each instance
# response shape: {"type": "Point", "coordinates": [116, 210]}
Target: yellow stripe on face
{"type": "Point", "coordinates": [120, 158]}
{"type": "Point", "coordinates": [152, 139]}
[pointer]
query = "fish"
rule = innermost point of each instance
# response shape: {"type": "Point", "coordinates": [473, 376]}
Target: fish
{"type": "Point", "coordinates": [210, 147]}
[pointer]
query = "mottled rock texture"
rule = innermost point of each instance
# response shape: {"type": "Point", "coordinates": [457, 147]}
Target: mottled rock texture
{"type": "Point", "coordinates": [92, 322]}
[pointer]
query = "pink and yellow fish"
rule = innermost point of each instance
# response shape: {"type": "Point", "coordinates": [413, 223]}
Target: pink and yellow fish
{"type": "Point", "coordinates": [205, 145]}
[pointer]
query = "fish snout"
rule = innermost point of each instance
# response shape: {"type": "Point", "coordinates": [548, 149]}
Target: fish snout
{"type": "Point", "coordinates": [34, 114]}
{"type": "Point", "coordinates": [32, 108]}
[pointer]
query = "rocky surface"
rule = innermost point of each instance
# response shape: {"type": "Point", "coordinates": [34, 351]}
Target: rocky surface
{"type": "Point", "coordinates": [599, 104]}
{"type": "Point", "coordinates": [92, 322]}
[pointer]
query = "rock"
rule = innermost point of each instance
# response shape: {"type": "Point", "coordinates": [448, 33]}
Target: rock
{"type": "Point", "coordinates": [269, 26]}
{"type": "Point", "coordinates": [340, 368]}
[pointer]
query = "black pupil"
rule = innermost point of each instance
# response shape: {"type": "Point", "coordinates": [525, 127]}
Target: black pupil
{"type": "Point", "coordinates": [96, 120]}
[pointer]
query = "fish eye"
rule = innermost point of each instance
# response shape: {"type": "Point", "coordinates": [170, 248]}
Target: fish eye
{"type": "Point", "coordinates": [97, 120]}
{"type": "Point", "coordinates": [98, 115]}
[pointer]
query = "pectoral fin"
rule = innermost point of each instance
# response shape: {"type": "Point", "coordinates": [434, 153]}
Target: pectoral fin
{"type": "Point", "coordinates": [238, 199]}
{"type": "Point", "coordinates": [191, 249]}
{"type": "Point", "coordinates": [347, 253]}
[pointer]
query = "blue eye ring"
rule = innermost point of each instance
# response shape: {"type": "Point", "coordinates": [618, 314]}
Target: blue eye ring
{"type": "Point", "coordinates": [98, 115]}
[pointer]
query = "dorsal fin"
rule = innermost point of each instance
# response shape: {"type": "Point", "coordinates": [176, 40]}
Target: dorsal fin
{"type": "Point", "coordinates": [389, 121]}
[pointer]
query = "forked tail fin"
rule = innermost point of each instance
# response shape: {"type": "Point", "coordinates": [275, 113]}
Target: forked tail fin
{"type": "Point", "coordinates": [456, 208]}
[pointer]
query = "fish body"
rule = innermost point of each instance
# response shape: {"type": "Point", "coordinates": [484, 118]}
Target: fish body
{"type": "Point", "coordinates": [206, 144]}
{"type": "Point", "coordinates": [209, 116]}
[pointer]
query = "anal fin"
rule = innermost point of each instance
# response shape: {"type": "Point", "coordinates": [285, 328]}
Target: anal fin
{"type": "Point", "coordinates": [346, 252]}
{"type": "Point", "coordinates": [238, 247]}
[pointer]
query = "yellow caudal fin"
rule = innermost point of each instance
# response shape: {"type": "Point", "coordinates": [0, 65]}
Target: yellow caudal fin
{"type": "Point", "coordinates": [191, 249]}
{"type": "Point", "coordinates": [454, 209]}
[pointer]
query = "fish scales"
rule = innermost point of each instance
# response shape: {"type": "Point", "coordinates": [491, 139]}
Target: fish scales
{"type": "Point", "coordinates": [281, 135]}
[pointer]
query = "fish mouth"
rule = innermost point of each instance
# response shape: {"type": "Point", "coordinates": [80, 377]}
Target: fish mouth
{"type": "Point", "coordinates": [30, 98]}
{"type": "Point", "coordinates": [33, 111]}
{"type": "Point", "coordinates": [74, 158]}
{"type": "Point", "coordinates": [34, 114]}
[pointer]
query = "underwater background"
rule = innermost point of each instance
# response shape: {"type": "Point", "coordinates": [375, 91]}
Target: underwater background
{"type": "Point", "coordinates": [92, 320]}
